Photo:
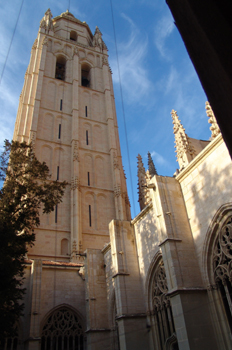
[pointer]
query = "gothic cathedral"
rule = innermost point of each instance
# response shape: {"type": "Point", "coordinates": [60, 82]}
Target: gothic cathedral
{"type": "Point", "coordinates": [96, 279]}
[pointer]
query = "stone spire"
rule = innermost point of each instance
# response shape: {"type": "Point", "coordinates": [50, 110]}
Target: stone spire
{"type": "Point", "coordinates": [143, 191]}
{"type": "Point", "coordinates": [151, 166]}
{"type": "Point", "coordinates": [184, 150]}
{"type": "Point", "coordinates": [212, 120]}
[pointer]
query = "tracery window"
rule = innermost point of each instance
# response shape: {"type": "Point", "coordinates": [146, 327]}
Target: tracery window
{"type": "Point", "coordinates": [62, 331]}
{"type": "Point", "coordinates": [162, 311]}
{"type": "Point", "coordinates": [222, 267]}
{"type": "Point", "coordinates": [12, 343]}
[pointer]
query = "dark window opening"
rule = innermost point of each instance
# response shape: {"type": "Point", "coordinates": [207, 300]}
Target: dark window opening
{"type": "Point", "coordinates": [86, 111]}
{"type": "Point", "coordinates": [58, 171]}
{"type": "Point", "coordinates": [56, 213]}
{"type": "Point", "coordinates": [90, 215]}
{"type": "Point", "coordinates": [87, 137]}
{"type": "Point", "coordinates": [85, 75]}
{"type": "Point", "coordinates": [85, 81]}
{"type": "Point", "coordinates": [61, 105]}
{"type": "Point", "coordinates": [60, 68]}
{"type": "Point", "coordinates": [88, 179]}
{"type": "Point", "coordinates": [59, 132]}
{"type": "Point", "coordinates": [73, 36]}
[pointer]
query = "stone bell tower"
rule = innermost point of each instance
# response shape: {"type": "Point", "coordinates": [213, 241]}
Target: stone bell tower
{"type": "Point", "coordinates": [67, 111]}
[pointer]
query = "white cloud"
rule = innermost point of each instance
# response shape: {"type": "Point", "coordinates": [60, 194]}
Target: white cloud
{"type": "Point", "coordinates": [133, 73]}
{"type": "Point", "coordinates": [163, 30]}
{"type": "Point", "coordinates": [158, 159]}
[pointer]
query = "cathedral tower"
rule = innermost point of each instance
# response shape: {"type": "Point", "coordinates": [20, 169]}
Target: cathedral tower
{"type": "Point", "coordinates": [67, 111]}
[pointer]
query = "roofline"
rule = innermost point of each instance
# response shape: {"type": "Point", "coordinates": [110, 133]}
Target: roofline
{"type": "Point", "coordinates": [72, 19]}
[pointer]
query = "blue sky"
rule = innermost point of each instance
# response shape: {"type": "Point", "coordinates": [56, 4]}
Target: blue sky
{"type": "Point", "coordinates": [156, 74]}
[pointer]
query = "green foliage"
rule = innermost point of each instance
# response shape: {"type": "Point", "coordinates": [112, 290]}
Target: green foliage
{"type": "Point", "coordinates": [27, 188]}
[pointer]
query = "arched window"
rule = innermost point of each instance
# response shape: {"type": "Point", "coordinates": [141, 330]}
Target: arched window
{"type": "Point", "coordinates": [12, 343]}
{"type": "Point", "coordinates": [62, 331]}
{"type": "Point", "coordinates": [162, 311]}
{"type": "Point", "coordinates": [85, 75]}
{"type": "Point", "coordinates": [64, 246]}
{"type": "Point", "coordinates": [60, 68]}
{"type": "Point", "coordinates": [73, 35]}
{"type": "Point", "coordinates": [222, 267]}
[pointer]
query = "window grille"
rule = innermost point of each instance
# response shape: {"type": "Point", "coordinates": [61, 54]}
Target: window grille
{"type": "Point", "coordinates": [62, 331]}
{"type": "Point", "coordinates": [222, 267]}
{"type": "Point", "coordinates": [11, 343]}
{"type": "Point", "coordinates": [162, 310]}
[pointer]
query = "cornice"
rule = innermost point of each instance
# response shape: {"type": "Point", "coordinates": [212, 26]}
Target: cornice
{"type": "Point", "coordinates": [142, 213]}
{"type": "Point", "coordinates": [200, 158]}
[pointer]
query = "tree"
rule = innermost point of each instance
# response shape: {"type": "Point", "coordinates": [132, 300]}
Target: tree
{"type": "Point", "coordinates": [26, 190]}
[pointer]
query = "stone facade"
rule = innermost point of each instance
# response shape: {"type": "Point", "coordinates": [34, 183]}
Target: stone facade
{"type": "Point", "coordinates": [96, 279]}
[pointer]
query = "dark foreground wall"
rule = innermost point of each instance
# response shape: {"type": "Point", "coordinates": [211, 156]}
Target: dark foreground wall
{"type": "Point", "coordinates": [206, 29]}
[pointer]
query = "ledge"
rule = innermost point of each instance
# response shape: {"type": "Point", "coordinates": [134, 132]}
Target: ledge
{"type": "Point", "coordinates": [106, 248]}
{"type": "Point", "coordinates": [170, 240]}
{"type": "Point", "coordinates": [142, 213]}
{"type": "Point", "coordinates": [92, 330]}
{"type": "Point", "coordinates": [121, 274]}
{"type": "Point", "coordinates": [131, 316]}
{"type": "Point", "coordinates": [173, 292]}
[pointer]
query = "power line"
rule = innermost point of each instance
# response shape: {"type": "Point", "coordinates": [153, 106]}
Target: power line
{"type": "Point", "coordinates": [4, 66]}
{"type": "Point", "coordinates": [123, 110]}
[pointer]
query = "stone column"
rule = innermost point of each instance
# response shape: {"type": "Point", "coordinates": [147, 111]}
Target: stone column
{"type": "Point", "coordinates": [76, 239]}
{"type": "Point", "coordinates": [34, 333]}
{"type": "Point", "coordinates": [98, 330]}
{"type": "Point", "coordinates": [120, 210]}
{"type": "Point", "coordinates": [130, 305]}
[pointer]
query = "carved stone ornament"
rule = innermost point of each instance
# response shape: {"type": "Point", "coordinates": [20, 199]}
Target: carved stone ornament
{"type": "Point", "coordinates": [184, 149]}
{"type": "Point", "coordinates": [105, 61]}
{"type": "Point", "coordinates": [143, 191]}
{"type": "Point", "coordinates": [74, 246]}
{"type": "Point", "coordinates": [76, 51]}
{"type": "Point", "coordinates": [33, 138]}
{"type": "Point", "coordinates": [45, 41]}
{"type": "Point", "coordinates": [97, 40]}
{"type": "Point", "coordinates": [46, 21]}
{"type": "Point", "coordinates": [127, 201]}
{"type": "Point", "coordinates": [34, 46]}
{"type": "Point", "coordinates": [75, 152]}
{"type": "Point", "coordinates": [212, 287]}
{"type": "Point", "coordinates": [117, 190]}
{"type": "Point", "coordinates": [75, 183]}
{"type": "Point", "coordinates": [222, 255]}
{"type": "Point", "coordinates": [212, 120]}
{"type": "Point", "coordinates": [124, 173]}
{"type": "Point", "coordinates": [82, 272]}
{"type": "Point", "coordinates": [116, 165]}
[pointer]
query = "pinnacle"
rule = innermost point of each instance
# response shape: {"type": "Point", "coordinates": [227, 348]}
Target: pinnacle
{"type": "Point", "coordinates": [151, 166]}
